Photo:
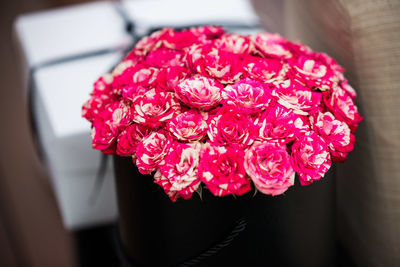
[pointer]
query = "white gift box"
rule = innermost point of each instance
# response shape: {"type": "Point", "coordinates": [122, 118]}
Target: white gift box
{"type": "Point", "coordinates": [60, 91]}
{"type": "Point", "coordinates": [62, 88]}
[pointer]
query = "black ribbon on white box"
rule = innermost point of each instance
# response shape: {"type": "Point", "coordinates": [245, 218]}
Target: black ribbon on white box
{"type": "Point", "coordinates": [130, 28]}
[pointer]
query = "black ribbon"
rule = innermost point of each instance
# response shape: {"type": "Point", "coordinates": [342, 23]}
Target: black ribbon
{"type": "Point", "coordinates": [240, 226]}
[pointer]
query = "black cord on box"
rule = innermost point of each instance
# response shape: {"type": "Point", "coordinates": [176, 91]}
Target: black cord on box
{"type": "Point", "coordinates": [240, 226]}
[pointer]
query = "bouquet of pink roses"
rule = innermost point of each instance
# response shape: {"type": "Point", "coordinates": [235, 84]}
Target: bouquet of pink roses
{"type": "Point", "coordinates": [201, 106]}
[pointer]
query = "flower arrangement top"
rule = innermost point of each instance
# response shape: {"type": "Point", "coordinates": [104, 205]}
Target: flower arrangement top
{"type": "Point", "coordinates": [204, 107]}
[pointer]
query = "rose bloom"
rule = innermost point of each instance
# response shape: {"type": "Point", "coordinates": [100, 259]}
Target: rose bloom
{"type": "Point", "coordinates": [271, 45]}
{"type": "Point", "coordinates": [103, 85]}
{"type": "Point", "coordinates": [265, 70]}
{"type": "Point", "coordinates": [281, 125]}
{"type": "Point", "coordinates": [168, 78]}
{"type": "Point", "coordinates": [343, 108]}
{"type": "Point", "coordinates": [268, 165]}
{"type": "Point", "coordinates": [251, 96]}
{"type": "Point", "coordinates": [140, 75]}
{"type": "Point", "coordinates": [130, 92]}
{"type": "Point", "coordinates": [208, 60]}
{"type": "Point", "coordinates": [147, 44]}
{"type": "Point", "coordinates": [231, 127]}
{"type": "Point", "coordinates": [178, 40]}
{"type": "Point", "coordinates": [313, 73]}
{"type": "Point", "coordinates": [179, 176]}
{"type": "Point", "coordinates": [345, 86]}
{"type": "Point", "coordinates": [199, 92]}
{"type": "Point", "coordinates": [221, 170]}
{"type": "Point", "coordinates": [310, 157]}
{"type": "Point", "coordinates": [130, 137]}
{"type": "Point", "coordinates": [234, 43]}
{"type": "Point", "coordinates": [154, 108]}
{"type": "Point", "coordinates": [151, 151]}
{"type": "Point", "coordinates": [188, 126]}
{"type": "Point", "coordinates": [336, 134]}
{"type": "Point", "coordinates": [118, 114]}
{"type": "Point", "coordinates": [162, 58]}
{"type": "Point", "coordinates": [96, 105]}
{"type": "Point", "coordinates": [104, 136]}
{"type": "Point", "coordinates": [297, 97]}
{"type": "Point", "coordinates": [207, 32]}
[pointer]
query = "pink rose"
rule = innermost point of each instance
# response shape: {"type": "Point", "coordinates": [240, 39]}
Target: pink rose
{"type": "Point", "coordinates": [179, 176]}
{"type": "Point", "coordinates": [130, 92]}
{"type": "Point", "coordinates": [344, 85]}
{"type": "Point", "coordinates": [271, 45]}
{"type": "Point", "coordinates": [265, 69]}
{"type": "Point", "coordinates": [103, 85]}
{"type": "Point", "coordinates": [336, 134]}
{"type": "Point", "coordinates": [95, 106]}
{"type": "Point", "coordinates": [221, 169]}
{"type": "Point", "coordinates": [313, 73]}
{"type": "Point", "coordinates": [199, 92]}
{"type": "Point", "coordinates": [129, 138]}
{"type": "Point", "coordinates": [208, 60]}
{"type": "Point", "coordinates": [178, 40]}
{"type": "Point", "coordinates": [343, 108]}
{"type": "Point", "coordinates": [207, 32]}
{"type": "Point", "coordinates": [162, 58]}
{"type": "Point", "coordinates": [151, 151]}
{"type": "Point", "coordinates": [168, 78]}
{"type": "Point", "coordinates": [251, 96]}
{"type": "Point", "coordinates": [154, 108]}
{"type": "Point", "coordinates": [297, 97]}
{"type": "Point", "coordinates": [234, 43]}
{"type": "Point", "coordinates": [188, 126]}
{"type": "Point", "coordinates": [147, 44]}
{"type": "Point", "coordinates": [329, 61]}
{"type": "Point", "coordinates": [118, 115]}
{"type": "Point", "coordinates": [136, 75]}
{"type": "Point", "coordinates": [268, 165]}
{"type": "Point", "coordinates": [104, 136]}
{"type": "Point", "coordinates": [231, 127]}
{"type": "Point", "coordinates": [310, 158]}
{"type": "Point", "coordinates": [281, 125]}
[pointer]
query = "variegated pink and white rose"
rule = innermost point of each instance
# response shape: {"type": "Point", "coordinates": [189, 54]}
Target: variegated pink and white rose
{"type": "Point", "coordinates": [179, 175]}
{"type": "Point", "coordinates": [281, 125]}
{"type": "Point", "coordinates": [235, 43]}
{"type": "Point", "coordinates": [152, 150]}
{"type": "Point", "coordinates": [104, 136]}
{"type": "Point", "coordinates": [202, 106]}
{"type": "Point", "coordinates": [222, 65]}
{"type": "Point", "coordinates": [154, 108]}
{"type": "Point", "coordinates": [221, 169]}
{"type": "Point", "coordinates": [343, 107]}
{"type": "Point", "coordinates": [130, 137]}
{"type": "Point", "coordinates": [199, 92]}
{"type": "Point", "coordinates": [272, 45]}
{"type": "Point", "coordinates": [310, 157]}
{"type": "Point", "coordinates": [265, 70]}
{"type": "Point", "coordinates": [248, 95]}
{"type": "Point", "coordinates": [313, 73]}
{"type": "Point", "coordinates": [336, 134]}
{"type": "Point", "coordinates": [230, 127]}
{"type": "Point", "coordinates": [302, 100]}
{"type": "Point", "coordinates": [189, 126]}
{"type": "Point", "coordinates": [269, 167]}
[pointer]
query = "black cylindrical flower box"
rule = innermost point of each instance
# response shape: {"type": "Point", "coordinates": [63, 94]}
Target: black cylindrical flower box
{"type": "Point", "coordinates": [293, 229]}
